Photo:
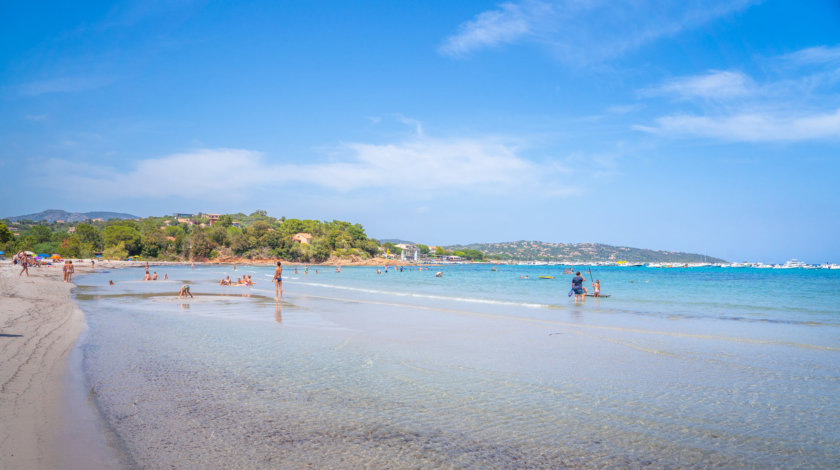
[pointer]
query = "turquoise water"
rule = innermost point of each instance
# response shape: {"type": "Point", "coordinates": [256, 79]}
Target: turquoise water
{"type": "Point", "coordinates": [703, 367]}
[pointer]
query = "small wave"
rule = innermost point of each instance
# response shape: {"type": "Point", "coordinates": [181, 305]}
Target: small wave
{"type": "Point", "coordinates": [433, 297]}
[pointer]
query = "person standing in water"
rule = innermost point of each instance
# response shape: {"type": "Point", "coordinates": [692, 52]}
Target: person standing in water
{"type": "Point", "coordinates": [577, 287]}
{"type": "Point", "coordinates": [597, 287]}
{"type": "Point", "coordinates": [278, 282]}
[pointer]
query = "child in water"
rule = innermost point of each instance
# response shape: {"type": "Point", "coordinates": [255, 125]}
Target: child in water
{"type": "Point", "coordinates": [597, 287]}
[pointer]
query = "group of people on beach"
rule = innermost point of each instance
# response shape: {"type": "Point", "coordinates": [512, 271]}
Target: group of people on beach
{"type": "Point", "coordinates": [68, 269]}
{"type": "Point", "coordinates": [245, 280]}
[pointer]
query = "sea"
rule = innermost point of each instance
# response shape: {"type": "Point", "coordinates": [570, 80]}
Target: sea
{"type": "Point", "coordinates": [481, 367]}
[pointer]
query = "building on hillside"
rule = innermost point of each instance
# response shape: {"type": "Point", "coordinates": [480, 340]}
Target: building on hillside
{"type": "Point", "coordinates": [303, 237]}
{"type": "Point", "coordinates": [71, 230]}
{"type": "Point", "coordinates": [408, 249]}
{"type": "Point", "coordinates": [181, 215]}
{"type": "Point", "coordinates": [236, 224]}
{"type": "Point", "coordinates": [100, 219]}
{"type": "Point", "coordinates": [187, 221]}
{"type": "Point", "coordinates": [212, 218]}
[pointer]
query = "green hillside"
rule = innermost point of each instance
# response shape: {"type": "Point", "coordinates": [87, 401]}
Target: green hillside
{"type": "Point", "coordinates": [580, 252]}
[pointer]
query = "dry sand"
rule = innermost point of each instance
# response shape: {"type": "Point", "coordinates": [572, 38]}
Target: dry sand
{"type": "Point", "coordinates": [39, 326]}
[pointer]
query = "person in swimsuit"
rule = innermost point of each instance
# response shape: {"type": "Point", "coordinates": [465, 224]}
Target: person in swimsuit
{"type": "Point", "coordinates": [23, 259]}
{"type": "Point", "coordinates": [185, 291]}
{"type": "Point", "coordinates": [278, 282]}
{"type": "Point", "coordinates": [577, 287]}
{"type": "Point", "coordinates": [597, 287]}
{"type": "Point", "coordinates": [70, 271]}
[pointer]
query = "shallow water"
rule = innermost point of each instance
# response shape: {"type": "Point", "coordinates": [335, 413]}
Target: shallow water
{"type": "Point", "coordinates": [678, 368]}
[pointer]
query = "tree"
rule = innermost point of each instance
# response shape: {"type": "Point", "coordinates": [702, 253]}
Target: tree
{"type": "Point", "coordinates": [424, 249]}
{"type": "Point", "coordinates": [224, 221]}
{"type": "Point", "coordinates": [201, 246]}
{"type": "Point", "coordinates": [154, 243]}
{"type": "Point", "coordinates": [115, 252]}
{"type": "Point", "coordinates": [258, 228]}
{"type": "Point", "coordinates": [71, 247]}
{"type": "Point", "coordinates": [128, 236]}
{"type": "Point", "coordinates": [218, 234]}
{"type": "Point", "coordinates": [174, 231]}
{"type": "Point", "coordinates": [5, 233]}
{"type": "Point", "coordinates": [88, 234]}
{"type": "Point", "coordinates": [38, 234]}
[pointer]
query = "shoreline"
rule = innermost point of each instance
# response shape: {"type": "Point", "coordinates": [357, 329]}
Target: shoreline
{"type": "Point", "coordinates": [47, 422]}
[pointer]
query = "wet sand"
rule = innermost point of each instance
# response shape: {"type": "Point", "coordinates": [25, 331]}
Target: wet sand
{"type": "Point", "coordinates": [39, 326]}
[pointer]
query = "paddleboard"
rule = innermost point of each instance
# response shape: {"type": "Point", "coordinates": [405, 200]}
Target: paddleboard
{"type": "Point", "coordinates": [602, 295]}
{"type": "Point", "coordinates": [546, 277]}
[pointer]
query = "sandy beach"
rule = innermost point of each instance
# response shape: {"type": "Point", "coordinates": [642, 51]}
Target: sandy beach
{"type": "Point", "coordinates": [39, 326]}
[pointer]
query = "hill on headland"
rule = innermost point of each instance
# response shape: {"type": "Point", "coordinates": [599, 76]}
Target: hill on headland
{"type": "Point", "coordinates": [581, 252]}
{"type": "Point", "coordinates": [54, 215]}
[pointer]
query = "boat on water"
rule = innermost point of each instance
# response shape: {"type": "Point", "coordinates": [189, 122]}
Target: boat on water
{"type": "Point", "coordinates": [794, 264]}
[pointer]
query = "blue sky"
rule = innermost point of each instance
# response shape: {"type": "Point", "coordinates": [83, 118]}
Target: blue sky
{"type": "Point", "coordinates": [701, 126]}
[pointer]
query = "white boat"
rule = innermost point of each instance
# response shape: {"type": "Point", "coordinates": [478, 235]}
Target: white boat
{"type": "Point", "coordinates": [793, 264]}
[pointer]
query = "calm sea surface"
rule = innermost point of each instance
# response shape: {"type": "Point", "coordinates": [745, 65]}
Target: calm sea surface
{"type": "Point", "coordinates": [688, 368]}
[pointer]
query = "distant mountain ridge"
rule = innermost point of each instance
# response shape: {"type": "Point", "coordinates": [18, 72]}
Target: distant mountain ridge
{"type": "Point", "coordinates": [54, 215]}
{"type": "Point", "coordinates": [582, 252]}
{"type": "Point", "coordinates": [395, 241]}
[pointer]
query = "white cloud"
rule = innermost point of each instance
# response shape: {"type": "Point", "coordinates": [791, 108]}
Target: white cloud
{"type": "Point", "coordinates": [751, 127]}
{"type": "Point", "coordinates": [585, 31]}
{"type": "Point", "coordinates": [491, 28]}
{"type": "Point", "coordinates": [813, 55]}
{"type": "Point", "coordinates": [794, 105]}
{"type": "Point", "coordinates": [481, 165]}
{"type": "Point", "coordinates": [714, 85]}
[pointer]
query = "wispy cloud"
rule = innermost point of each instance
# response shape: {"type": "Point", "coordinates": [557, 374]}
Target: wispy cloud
{"type": "Point", "coordinates": [714, 85]}
{"type": "Point", "coordinates": [757, 127]}
{"type": "Point", "coordinates": [63, 85]}
{"type": "Point", "coordinates": [798, 103]}
{"type": "Point", "coordinates": [476, 165]}
{"type": "Point", "coordinates": [814, 55]}
{"type": "Point", "coordinates": [508, 23]}
{"type": "Point", "coordinates": [585, 31]}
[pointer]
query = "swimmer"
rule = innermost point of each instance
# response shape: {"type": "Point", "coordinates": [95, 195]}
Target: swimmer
{"type": "Point", "coordinates": [185, 291]}
{"type": "Point", "coordinates": [155, 276]}
{"type": "Point", "coordinates": [165, 276]}
{"type": "Point", "coordinates": [111, 282]}
{"type": "Point", "coordinates": [439, 274]}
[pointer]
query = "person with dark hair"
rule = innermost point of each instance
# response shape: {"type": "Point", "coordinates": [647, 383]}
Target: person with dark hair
{"type": "Point", "coordinates": [577, 287]}
{"type": "Point", "coordinates": [278, 282]}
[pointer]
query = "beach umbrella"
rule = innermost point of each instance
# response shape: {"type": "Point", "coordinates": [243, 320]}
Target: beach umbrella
{"type": "Point", "coordinates": [98, 256]}
{"type": "Point", "coordinates": [56, 256]}
{"type": "Point", "coordinates": [43, 255]}
{"type": "Point", "coordinates": [2, 252]}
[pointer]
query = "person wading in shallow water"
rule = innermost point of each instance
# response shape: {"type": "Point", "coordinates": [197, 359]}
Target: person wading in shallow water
{"type": "Point", "coordinates": [278, 282]}
{"type": "Point", "coordinates": [577, 287]}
